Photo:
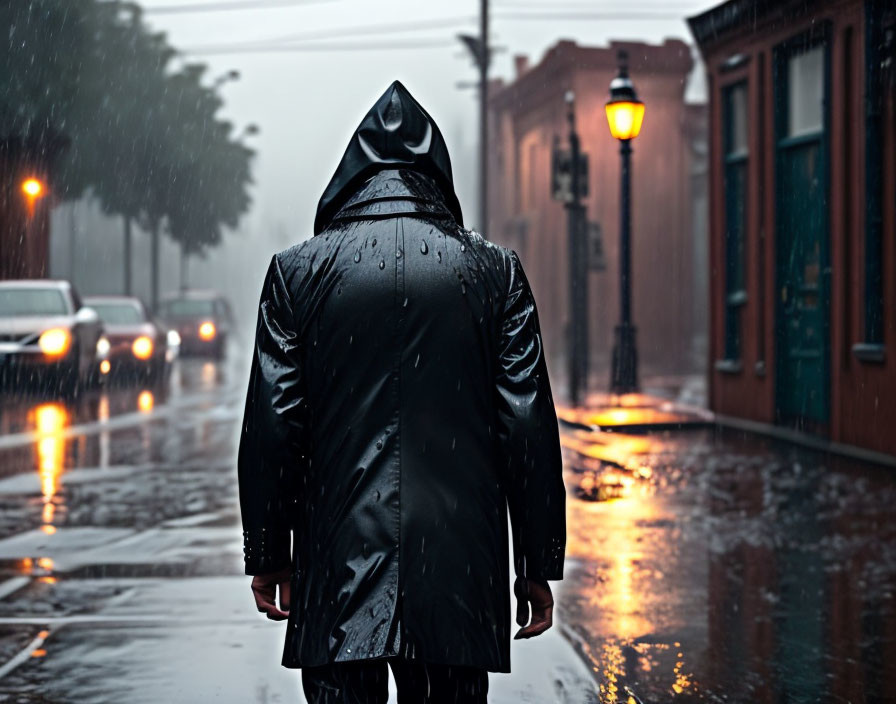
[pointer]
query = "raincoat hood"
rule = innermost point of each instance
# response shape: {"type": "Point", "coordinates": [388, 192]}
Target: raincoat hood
{"type": "Point", "coordinates": [396, 133]}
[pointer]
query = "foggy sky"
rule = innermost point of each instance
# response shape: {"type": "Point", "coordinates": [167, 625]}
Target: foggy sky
{"type": "Point", "coordinates": [308, 103]}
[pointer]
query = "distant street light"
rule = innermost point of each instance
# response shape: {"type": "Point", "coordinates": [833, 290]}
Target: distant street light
{"type": "Point", "coordinates": [32, 188]}
{"type": "Point", "coordinates": [232, 75]}
{"type": "Point", "coordinates": [249, 130]}
{"type": "Point", "coordinates": [625, 113]}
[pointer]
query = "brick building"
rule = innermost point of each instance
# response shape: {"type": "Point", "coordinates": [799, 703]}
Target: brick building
{"type": "Point", "coordinates": [526, 116]}
{"type": "Point", "coordinates": [802, 234]}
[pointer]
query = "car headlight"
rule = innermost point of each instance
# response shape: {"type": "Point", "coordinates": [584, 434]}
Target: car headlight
{"type": "Point", "coordinates": [142, 347]}
{"type": "Point", "coordinates": [173, 338]}
{"type": "Point", "coordinates": [207, 331]}
{"type": "Point", "coordinates": [55, 342]}
{"type": "Point", "coordinates": [102, 347]}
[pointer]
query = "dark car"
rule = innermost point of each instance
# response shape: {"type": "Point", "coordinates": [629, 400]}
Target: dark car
{"type": "Point", "coordinates": [136, 345]}
{"type": "Point", "coordinates": [47, 335]}
{"type": "Point", "coordinates": [203, 319]}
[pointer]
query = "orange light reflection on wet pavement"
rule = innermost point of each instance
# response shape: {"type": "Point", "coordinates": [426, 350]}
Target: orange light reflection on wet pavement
{"type": "Point", "coordinates": [145, 401]}
{"type": "Point", "coordinates": [50, 421]}
{"type": "Point", "coordinates": [613, 530]}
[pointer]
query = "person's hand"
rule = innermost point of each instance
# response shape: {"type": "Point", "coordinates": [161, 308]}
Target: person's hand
{"type": "Point", "coordinates": [538, 594]}
{"type": "Point", "coordinates": [264, 589]}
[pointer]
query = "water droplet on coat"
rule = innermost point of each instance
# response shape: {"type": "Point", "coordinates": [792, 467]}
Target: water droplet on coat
{"type": "Point", "coordinates": [357, 257]}
{"type": "Point", "coordinates": [423, 247]}
{"type": "Point", "coordinates": [382, 264]}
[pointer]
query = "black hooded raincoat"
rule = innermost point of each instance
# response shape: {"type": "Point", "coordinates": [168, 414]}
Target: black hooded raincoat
{"type": "Point", "coordinates": [398, 405]}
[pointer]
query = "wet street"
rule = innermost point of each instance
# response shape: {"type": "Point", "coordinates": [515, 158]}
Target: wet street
{"type": "Point", "coordinates": [729, 568]}
{"type": "Point", "coordinates": [702, 565]}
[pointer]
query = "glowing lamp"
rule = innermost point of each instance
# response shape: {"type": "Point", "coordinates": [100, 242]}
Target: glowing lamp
{"type": "Point", "coordinates": [207, 331]}
{"type": "Point", "coordinates": [32, 188]}
{"type": "Point", "coordinates": [625, 118]}
{"type": "Point", "coordinates": [142, 347]}
{"type": "Point", "coordinates": [625, 112]}
{"type": "Point", "coordinates": [54, 342]}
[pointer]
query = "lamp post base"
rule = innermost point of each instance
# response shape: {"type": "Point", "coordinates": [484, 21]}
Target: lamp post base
{"type": "Point", "coordinates": [625, 361]}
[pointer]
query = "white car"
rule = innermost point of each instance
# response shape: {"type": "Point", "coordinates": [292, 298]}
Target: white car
{"type": "Point", "coordinates": [47, 336]}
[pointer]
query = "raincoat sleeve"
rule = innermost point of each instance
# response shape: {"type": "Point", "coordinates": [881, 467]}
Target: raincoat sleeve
{"type": "Point", "coordinates": [529, 436]}
{"type": "Point", "coordinates": [272, 451]}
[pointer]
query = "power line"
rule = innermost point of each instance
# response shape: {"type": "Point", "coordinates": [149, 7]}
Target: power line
{"type": "Point", "coordinates": [339, 33]}
{"type": "Point", "coordinates": [290, 48]}
{"type": "Point", "coordinates": [198, 7]}
{"type": "Point", "coordinates": [586, 15]}
{"type": "Point", "coordinates": [572, 5]}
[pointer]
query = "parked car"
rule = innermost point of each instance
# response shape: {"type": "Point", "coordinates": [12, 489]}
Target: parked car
{"type": "Point", "coordinates": [137, 346]}
{"type": "Point", "coordinates": [203, 319]}
{"type": "Point", "coordinates": [47, 335]}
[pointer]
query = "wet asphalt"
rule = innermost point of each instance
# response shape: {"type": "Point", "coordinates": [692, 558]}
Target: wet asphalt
{"type": "Point", "coordinates": [702, 565]}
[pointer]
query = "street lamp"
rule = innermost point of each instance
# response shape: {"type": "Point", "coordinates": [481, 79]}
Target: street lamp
{"type": "Point", "coordinates": [569, 185]}
{"type": "Point", "coordinates": [232, 75]}
{"type": "Point", "coordinates": [249, 130]}
{"type": "Point", "coordinates": [578, 273]}
{"type": "Point", "coordinates": [625, 114]}
{"type": "Point", "coordinates": [33, 189]}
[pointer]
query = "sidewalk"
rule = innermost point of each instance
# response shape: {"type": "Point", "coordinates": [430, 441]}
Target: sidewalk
{"type": "Point", "coordinates": [93, 636]}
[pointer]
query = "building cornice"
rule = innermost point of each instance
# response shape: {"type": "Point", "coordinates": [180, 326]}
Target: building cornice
{"type": "Point", "coordinates": [566, 58]}
{"type": "Point", "coordinates": [742, 16]}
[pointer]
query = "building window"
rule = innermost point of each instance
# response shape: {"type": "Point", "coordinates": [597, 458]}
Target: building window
{"type": "Point", "coordinates": [805, 79]}
{"type": "Point", "coordinates": [736, 152]}
{"type": "Point", "coordinates": [872, 347]}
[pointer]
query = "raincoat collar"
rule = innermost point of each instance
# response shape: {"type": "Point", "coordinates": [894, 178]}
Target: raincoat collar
{"type": "Point", "coordinates": [393, 192]}
{"type": "Point", "coordinates": [397, 133]}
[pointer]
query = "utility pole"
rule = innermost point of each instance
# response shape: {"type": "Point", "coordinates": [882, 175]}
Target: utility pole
{"type": "Point", "coordinates": [483, 117]}
{"type": "Point", "coordinates": [128, 284]}
{"type": "Point", "coordinates": [72, 237]}
{"type": "Point", "coordinates": [183, 266]}
{"type": "Point", "coordinates": [481, 53]}
{"type": "Point", "coordinates": [154, 266]}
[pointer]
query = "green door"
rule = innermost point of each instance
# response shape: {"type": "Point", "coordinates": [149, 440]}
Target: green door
{"type": "Point", "coordinates": [802, 321]}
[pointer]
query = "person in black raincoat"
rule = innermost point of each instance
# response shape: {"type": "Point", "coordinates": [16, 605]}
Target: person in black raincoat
{"type": "Point", "coordinates": [398, 405]}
